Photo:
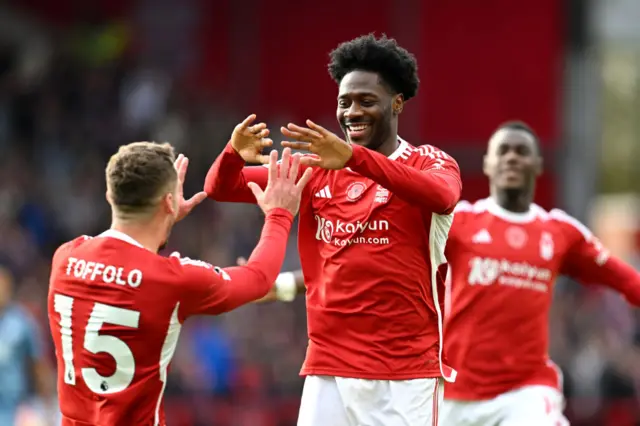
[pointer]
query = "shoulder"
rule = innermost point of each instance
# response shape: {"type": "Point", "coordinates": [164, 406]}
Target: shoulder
{"type": "Point", "coordinates": [428, 152]}
{"type": "Point", "coordinates": [569, 224]}
{"type": "Point", "coordinates": [65, 249]}
{"type": "Point", "coordinates": [468, 208]}
{"type": "Point", "coordinates": [70, 245]}
{"type": "Point", "coordinates": [187, 268]}
{"type": "Point", "coordinates": [429, 157]}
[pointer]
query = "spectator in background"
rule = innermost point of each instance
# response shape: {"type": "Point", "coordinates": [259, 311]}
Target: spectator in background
{"type": "Point", "coordinates": [22, 364]}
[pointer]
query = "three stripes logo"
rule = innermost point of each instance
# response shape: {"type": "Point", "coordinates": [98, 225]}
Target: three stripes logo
{"type": "Point", "coordinates": [324, 192]}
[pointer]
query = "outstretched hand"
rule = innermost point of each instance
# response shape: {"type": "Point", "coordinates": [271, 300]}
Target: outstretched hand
{"type": "Point", "coordinates": [249, 139]}
{"type": "Point", "coordinates": [185, 206]}
{"type": "Point", "coordinates": [330, 151]}
{"type": "Point", "coordinates": [282, 191]}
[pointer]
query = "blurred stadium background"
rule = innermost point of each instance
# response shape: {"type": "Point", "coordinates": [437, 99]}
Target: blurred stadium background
{"type": "Point", "coordinates": [79, 78]}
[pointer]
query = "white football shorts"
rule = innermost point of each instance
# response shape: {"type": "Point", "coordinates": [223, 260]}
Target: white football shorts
{"type": "Point", "coordinates": [340, 401]}
{"type": "Point", "coordinates": [527, 406]}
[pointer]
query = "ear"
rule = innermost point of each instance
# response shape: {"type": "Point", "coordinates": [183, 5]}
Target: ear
{"type": "Point", "coordinates": [168, 204]}
{"type": "Point", "coordinates": [539, 168]}
{"type": "Point", "coordinates": [485, 165]}
{"type": "Point", "coordinates": [397, 104]}
{"type": "Point", "coordinates": [108, 196]}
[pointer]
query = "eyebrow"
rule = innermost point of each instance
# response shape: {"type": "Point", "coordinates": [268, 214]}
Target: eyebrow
{"type": "Point", "coordinates": [357, 93]}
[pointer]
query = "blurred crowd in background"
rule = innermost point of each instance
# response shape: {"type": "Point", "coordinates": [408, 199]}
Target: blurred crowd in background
{"type": "Point", "coordinates": [63, 116]}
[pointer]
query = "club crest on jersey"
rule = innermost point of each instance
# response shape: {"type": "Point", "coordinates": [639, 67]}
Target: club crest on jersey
{"type": "Point", "coordinates": [382, 195]}
{"type": "Point", "coordinates": [546, 246]}
{"type": "Point", "coordinates": [516, 237]}
{"type": "Point", "coordinates": [355, 191]}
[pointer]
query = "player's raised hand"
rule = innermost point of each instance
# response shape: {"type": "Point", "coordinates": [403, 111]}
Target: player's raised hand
{"type": "Point", "coordinates": [185, 206]}
{"type": "Point", "coordinates": [282, 191]}
{"type": "Point", "coordinates": [330, 151]}
{"type": "Point", "coordinates": [249, 139]}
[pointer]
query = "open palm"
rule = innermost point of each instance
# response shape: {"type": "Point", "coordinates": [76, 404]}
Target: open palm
{"type": "Point", "coordinates": [330, 152]}
{"type": "Point", "coordinates": [185, 206]}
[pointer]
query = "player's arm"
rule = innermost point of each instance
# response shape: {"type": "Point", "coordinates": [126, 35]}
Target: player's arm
{"type": "Point", "coordinates": [285, 288]}
{"type": "Point", "coordinates": [232, 287]}
{"type": "Point", "coordinates": [228, 177]}
{"type": "Point", "coordinates": [214, 291]}
{"type": "Point", "coordinates": [436, 186]}
{"type": "Point", "coordinates": [590, 263]}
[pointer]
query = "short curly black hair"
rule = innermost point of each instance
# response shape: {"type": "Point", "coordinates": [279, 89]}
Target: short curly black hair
{"type": "Point", "coordinates": [520, 126]}
{"type": "Point", "coordinates": [396, 66]}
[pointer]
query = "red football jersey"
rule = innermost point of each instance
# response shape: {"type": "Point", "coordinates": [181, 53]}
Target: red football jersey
{"type": "Point", "coordinates": [115, 312]}
{"type": "Point", "coordinates": [502, 269]}
{"type": "Point", "coordinates": [371, 241]}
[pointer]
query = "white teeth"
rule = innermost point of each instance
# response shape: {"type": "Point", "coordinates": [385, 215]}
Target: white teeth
{"type": "Point", "coordinates": [358, 127]}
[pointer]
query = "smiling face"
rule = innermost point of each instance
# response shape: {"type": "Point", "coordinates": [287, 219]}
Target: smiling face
{"type": "Point", "coordinates": [513, 160]}
{"type": "Point", "coordinates": [367, 110]}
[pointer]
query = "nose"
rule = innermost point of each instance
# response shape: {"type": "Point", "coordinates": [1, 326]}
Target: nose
{"type": "Point", "coordinates": [353, 111]}
{"type": "Point", "coordinates": [511, 156]}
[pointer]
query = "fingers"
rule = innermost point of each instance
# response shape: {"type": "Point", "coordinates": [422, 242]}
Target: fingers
{"type": "Point", "coordinates": [273, 166]}
{"type": "Point", "coordinates": [297, 145]}
{"type": "Point", "coordinates": [246, 122]}
{"type": "Point", "coordinates": [241, 261]}
{"type": "Point", "coordinates": [266, 142]}
{"type": "Point", "coordinates": [304, 180]}
{"type": "Point", "coordinates": [309, 160]}
{"type": "Point", "coordinates": [295, 164]}
{"type": "Point", "coordinates": [197, 199]}
{"type": "Point", "coordinates": [255, 189]}
{"type": "Point", "coordinates": [303, 130]}
{"type": "Point", "coordinates": [292, 135]}
{"type": "Point", "coordinates": [263, 159]}
{"type": "Point", "coordinates": [300, 133]}
{"type": "Point", "coordinates": [257, 127]}
{"type": "Point", "coordinates": [319, 129]}
{"type": "Point", "coordinates": [181, 164]}
{"type": "Point", "coordinates": [285, 163]}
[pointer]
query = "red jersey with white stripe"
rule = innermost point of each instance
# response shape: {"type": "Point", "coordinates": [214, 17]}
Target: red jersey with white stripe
{"type": "Point", "coordinates": [371, 240]}
{"type": "Point", "coordinates": [115, 312]}
{"type": "Point", "coordinates": [503, 266]}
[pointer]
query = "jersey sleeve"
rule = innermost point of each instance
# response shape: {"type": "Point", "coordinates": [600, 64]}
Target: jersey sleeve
{"type": "Point", "coordinates": [460, 214]}
{"type": "Point", "coordinates": [434, 186]}
{"type": "Point", "coordinates": [208, 289]}
{"type": "Point", "coordinates": [590, 263]}
{"type": "Point", "coordinates": [227, 178]}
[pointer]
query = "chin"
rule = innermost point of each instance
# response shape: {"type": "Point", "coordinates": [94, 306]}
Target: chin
{"type": "Point", "coordinates": [361, 142]}
{"type": "Point", "coordinates": [512, 189]}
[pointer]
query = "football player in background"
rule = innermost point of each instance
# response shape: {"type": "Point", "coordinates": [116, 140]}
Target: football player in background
{"type": "Point", "coordinates": [505, 253]}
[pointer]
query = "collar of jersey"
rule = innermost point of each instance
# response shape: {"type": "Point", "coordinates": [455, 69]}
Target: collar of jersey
{"type": "Point", "coordinates": [112, 233]}
{"type": "Point", "coordinates": [402, 146]}
{"type": "Point", "coordinates": [509, 216]}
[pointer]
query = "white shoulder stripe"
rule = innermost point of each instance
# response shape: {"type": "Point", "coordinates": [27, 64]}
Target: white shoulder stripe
{"type": "Point", "coordinates": [562, 216]}
{"type": "Point", "coordinates": [463, 206]}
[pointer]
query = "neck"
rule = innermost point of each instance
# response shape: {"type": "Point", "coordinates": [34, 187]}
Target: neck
{"type": "Point", "coordinates": [390, 144]}
{"type": "Point", "coordinates": [139, 232]}
{"type": "Point", "coordinates": [514, 200]}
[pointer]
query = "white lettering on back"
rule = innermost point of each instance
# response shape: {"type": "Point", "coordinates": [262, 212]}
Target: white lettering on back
{"type": "Point", "coordinates": [95, 271]}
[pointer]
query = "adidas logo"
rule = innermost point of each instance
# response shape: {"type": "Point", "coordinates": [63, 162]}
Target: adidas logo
{"type": "Point", "coordinates": [482, 237]}
{"type": "Point", "coordinates": [324, 193]}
